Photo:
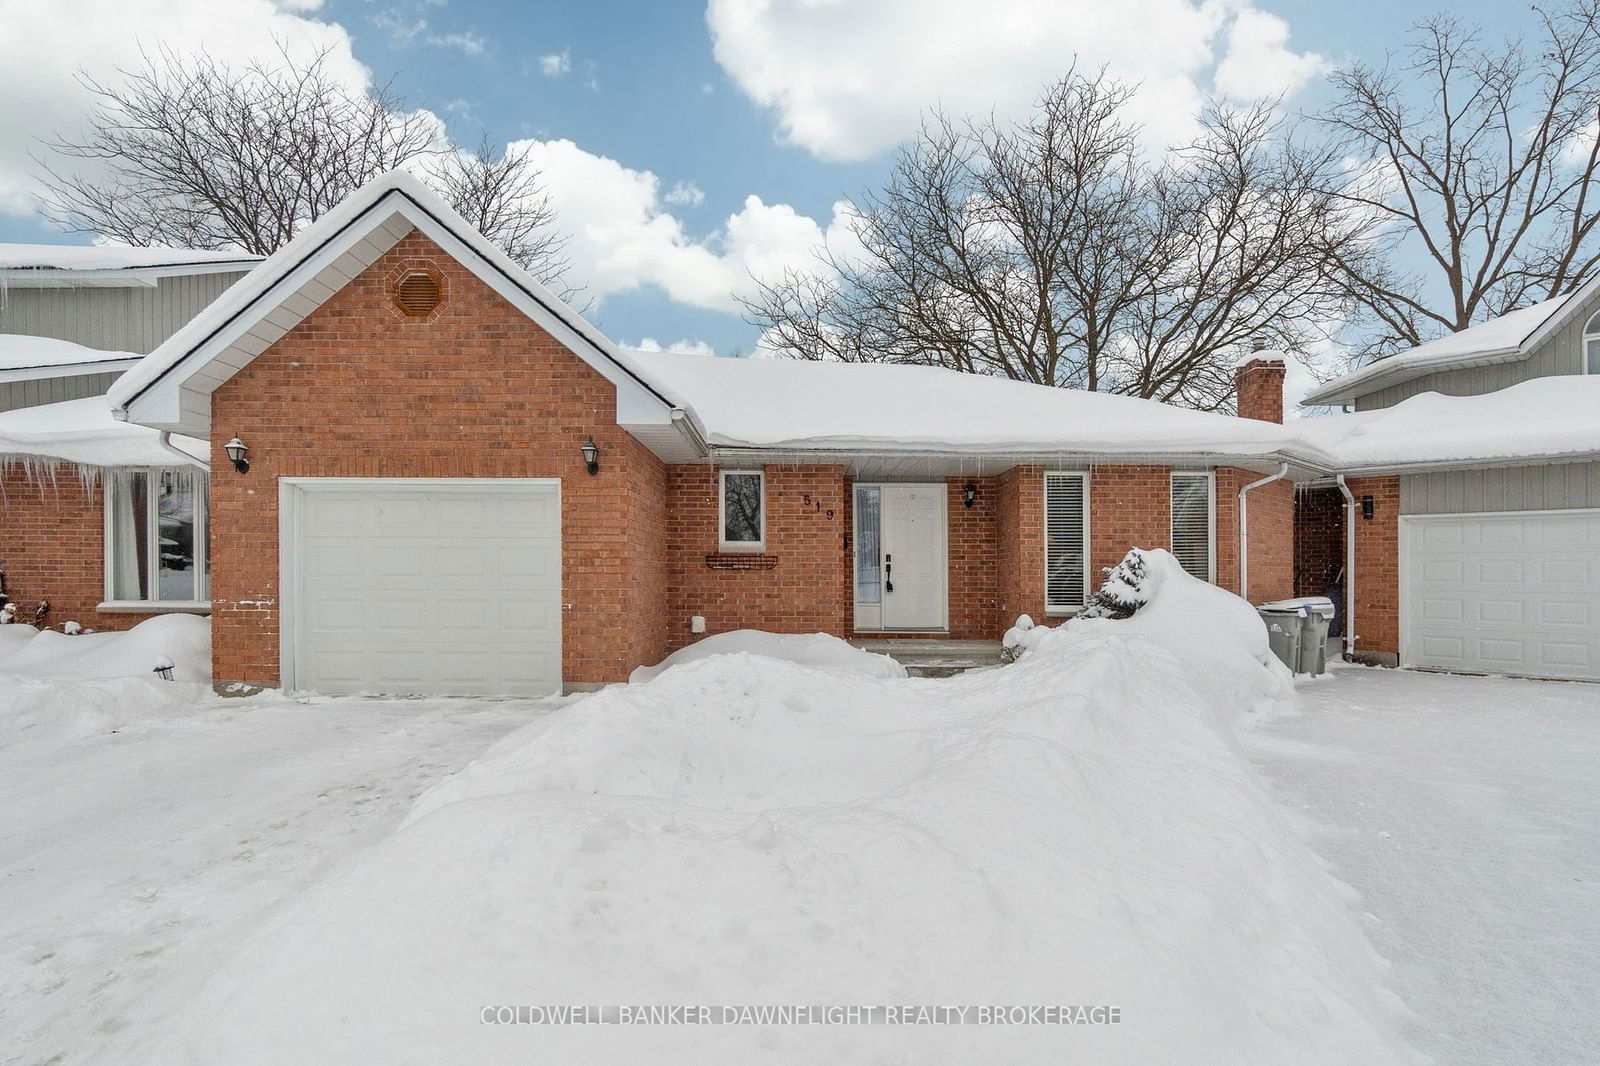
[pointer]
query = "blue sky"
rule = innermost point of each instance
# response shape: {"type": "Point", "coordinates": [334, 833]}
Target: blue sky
{"type": "Point", "coordinates": [795, 103]}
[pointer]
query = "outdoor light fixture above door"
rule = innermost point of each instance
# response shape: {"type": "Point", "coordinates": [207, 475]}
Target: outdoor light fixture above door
{"type": "Point", "coordinates": [236, 451]}
{"type": "Point", "coordinates": [969, 495]}
{"type": "Point", "coordinates": [591, 456]}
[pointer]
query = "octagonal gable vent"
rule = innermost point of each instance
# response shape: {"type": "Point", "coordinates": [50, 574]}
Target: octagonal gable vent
{"type": "Point", "coordinates": [418, 293]}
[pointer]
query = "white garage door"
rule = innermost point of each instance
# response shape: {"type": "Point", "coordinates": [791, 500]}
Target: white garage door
{"type": "Point", "coordinates": [1503, 593]}
{"type": "Point", "coordinates": [432, 587]}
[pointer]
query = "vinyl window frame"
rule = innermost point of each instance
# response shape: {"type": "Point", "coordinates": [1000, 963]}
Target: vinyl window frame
{"type": "Point", "coordinates": [1591, 333]}
{"type": "Point", "coordinates": [1211, 515]}
{"type": "Point", "coordinates": [723, 544]}
{"type": "Point", "coordinates": [1061, 609]}
{"type": "Point", "coordinates": [111, 486]}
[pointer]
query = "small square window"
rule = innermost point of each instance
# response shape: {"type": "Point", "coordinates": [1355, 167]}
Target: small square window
{"type": "Point", "coordinates": [743, 511]}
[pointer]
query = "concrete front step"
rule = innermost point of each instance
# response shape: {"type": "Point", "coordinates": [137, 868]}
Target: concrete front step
{"type": "Point", "coordinates": [935, 658]}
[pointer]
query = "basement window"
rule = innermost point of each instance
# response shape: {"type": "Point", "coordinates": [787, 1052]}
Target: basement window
{"type": "Point", "coordinates": [742, 507]}
{"type": "Point", "coordinates": [156, 534]}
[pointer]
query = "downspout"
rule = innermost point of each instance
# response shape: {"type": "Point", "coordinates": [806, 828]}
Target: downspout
{"type": "Point", "coordinates": [1349, 567]}
{"type": "Point", "coordinates": [1244, 526]}
{"type": "Point", "coordinates": [190, 460]}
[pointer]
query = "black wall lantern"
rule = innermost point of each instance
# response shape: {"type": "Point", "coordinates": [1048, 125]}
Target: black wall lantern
{"type": "Point", "coordinates": [236, 449]}
{"type": "Point", "coordinates": [1366, 508]}
{"type": "Point", "coordinates": [591, 456]}
{"type": "Point", "coordinates": [969, 495]}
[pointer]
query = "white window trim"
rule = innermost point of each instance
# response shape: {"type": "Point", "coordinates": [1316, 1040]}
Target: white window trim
{"type": "Point", "coordinates": [202, 520]}
{"type": "Point", "coordinates": [724, 545]}
{"type": "Point", "coordinates": [1052, 610]}
{"type": "Point", "coordinates": [1211, 516]}
{"type": "Point", "coordinates": [1590, 333]}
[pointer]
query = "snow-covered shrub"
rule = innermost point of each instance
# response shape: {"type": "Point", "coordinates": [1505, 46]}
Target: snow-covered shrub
{"type": "Point", "coordinates": [1127, 588]}
{"type": "Point", "coordinates": [817, 650]}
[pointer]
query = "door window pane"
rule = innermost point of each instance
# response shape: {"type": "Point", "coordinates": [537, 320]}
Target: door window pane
{"type": "Point", "coordinates": [869, 572]}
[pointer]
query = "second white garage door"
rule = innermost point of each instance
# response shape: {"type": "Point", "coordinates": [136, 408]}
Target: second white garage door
{"type": "Point", "coordinates": [1503, 593]}
{"type": "Point", "coordinates": [427, 587]}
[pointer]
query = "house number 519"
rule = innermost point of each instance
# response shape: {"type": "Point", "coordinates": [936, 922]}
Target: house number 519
{"type": "Point", "coordinates": [816, 505]}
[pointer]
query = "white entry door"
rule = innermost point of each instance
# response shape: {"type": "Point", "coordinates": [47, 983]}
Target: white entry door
{"type": "Point", "coordinates": [422, 586]}
{"type": "Point", "coordinates": [915, 568]}
{"type": "Point", "coordinates": [1513, 593]}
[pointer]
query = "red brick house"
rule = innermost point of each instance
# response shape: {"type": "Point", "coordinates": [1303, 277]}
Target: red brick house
{"type": "Point", "coordinates": [447, 481]}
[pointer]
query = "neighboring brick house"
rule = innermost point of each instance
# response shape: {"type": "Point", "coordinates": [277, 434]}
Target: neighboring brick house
{"type": "Point", "coordinates": [431, 476]}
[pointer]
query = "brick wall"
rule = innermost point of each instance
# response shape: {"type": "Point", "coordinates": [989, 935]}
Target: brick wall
{"type": "Point", "coordinates": [52, 547]}
{"type": "Point", "coordinates": [1129, 507]}
{"type": "Point", "coordinates": [474, 390]}
{"type": "Point", "coordinates": [806, 592]}
{"type": "Point", "coordinates": [974, 561]}
{"type": "Point", "coordinates": [1377, 628]}
{"type": "Point", "coordinates": [1271, 511]}
{"type": "Point", "coordinates": [1019, 528]}
{"type": "Point", "coordinates": [1318, 540]}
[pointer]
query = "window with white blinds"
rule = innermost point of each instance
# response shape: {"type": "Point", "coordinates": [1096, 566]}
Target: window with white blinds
{"type": "Point", "coordinates": [1066, 540]}
{"type": "Point", "coordinates": [1191, 524]}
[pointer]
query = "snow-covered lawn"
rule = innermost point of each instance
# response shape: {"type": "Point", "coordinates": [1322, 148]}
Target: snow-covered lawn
{"type": "Point", "coordinates": [1466, 811]}
{"type": "Point", "coordinates": [133, 863]}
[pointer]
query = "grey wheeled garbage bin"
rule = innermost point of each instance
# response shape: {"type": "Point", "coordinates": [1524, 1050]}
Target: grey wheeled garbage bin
{"type": "Point", "coordinates": [1283, 633]}
{"type": "Point", "coordinates": [1298, 631]}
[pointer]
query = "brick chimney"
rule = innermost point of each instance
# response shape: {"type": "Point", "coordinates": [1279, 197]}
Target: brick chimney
{"type": "Point", "coordinates": [1258, 380]}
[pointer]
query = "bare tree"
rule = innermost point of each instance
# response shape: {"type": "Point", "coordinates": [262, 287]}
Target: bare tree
{"type": "Point", "coordinates": [187, 151]}
{"type": "Point", "coordinates": [1471, 168]}
{"type": "Point", "coordinates": [1053, 251]}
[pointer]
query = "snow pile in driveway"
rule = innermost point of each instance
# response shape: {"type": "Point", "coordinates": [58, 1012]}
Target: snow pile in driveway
{"type": "Point", "coordinates": [1078, 828]}
{"type": "Point", "coordinates": [808, 649]}
{"type": "Point", "coordinates": [53, 685]}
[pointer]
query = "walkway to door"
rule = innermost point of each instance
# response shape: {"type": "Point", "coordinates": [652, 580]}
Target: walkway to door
{"type": "Point", "coordinates": [936, 658]}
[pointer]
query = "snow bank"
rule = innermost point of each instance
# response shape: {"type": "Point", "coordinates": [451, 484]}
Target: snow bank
{"type": "Point", "coordinates": [817, 650]}
{"type": "Point", "coordinates": [61, 687]}
{"type": "Point", "coordinates": [1077, 828]}
{"type": "Point", "coordinates": [83, 432]}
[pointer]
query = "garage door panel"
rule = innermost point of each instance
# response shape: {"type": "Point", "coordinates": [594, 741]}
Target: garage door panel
{"type": "Point", "coordinates": [1504, 593]}
{"type": "Point", "coordinates": [450, 588]}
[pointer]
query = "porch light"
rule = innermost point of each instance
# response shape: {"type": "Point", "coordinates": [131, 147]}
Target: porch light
{"type": "Point", "coordinates": [591, 456]}
{"type": "Point", "coordinates": [236, 449]}
{"type": "Point", "coordinates": [969, 495]}
{"type": "Point", "coordinates": [1366, 508]}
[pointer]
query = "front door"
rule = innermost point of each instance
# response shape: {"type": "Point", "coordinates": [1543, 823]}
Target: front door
{"type": "Point", "coordinates": [900, 556]}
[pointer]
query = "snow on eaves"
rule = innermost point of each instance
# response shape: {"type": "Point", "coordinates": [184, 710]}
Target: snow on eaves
{"type": "Point", "coordinates": [110, 257]}
{"type": "Point", "coordinates": [1507, 335]}
{"type": "Point", "coordinates": [1542, 419]}
{"type": "Point", "coordinates": [781, 404]}
{"type": "Point", "coordinates": [22, 352]}
{"type": "Point", "coordinates": [83, 433]}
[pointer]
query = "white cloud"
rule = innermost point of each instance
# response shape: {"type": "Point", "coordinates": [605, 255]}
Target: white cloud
{"type": "Point", "coordinates": [623, 238]}
{"type": "Point", "coordinates": [686, 194]}
{"type": "Point", "coordinates": [471, 44]}
{"type": "Point", "coordinates": [685, 347]}
{"type": "Point", "coordinates": [849, 80]}
{"type": "Point", "coordinates": [555, 64]}
{"type": "Point", "coordinates": [41, 51]}
{"type": "Point", "coordinates": [1259, 62]}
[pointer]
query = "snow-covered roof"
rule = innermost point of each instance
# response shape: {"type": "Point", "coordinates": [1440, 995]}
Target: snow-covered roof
{"type": "Point", "coordinates": [171, 388]}
{"type": "Point", "coordinates": [23, 358]}
{"type": "Point", "coordinates": [1509, 338]}
{"type": "Point", "coordinates": [102, 257]}
{"type": "Point", "coordinates": [781, 404]}
{"type": "Point", "coordinates": [1539, 420]}
{"type": "Point", "coordinates": [83, 433]}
